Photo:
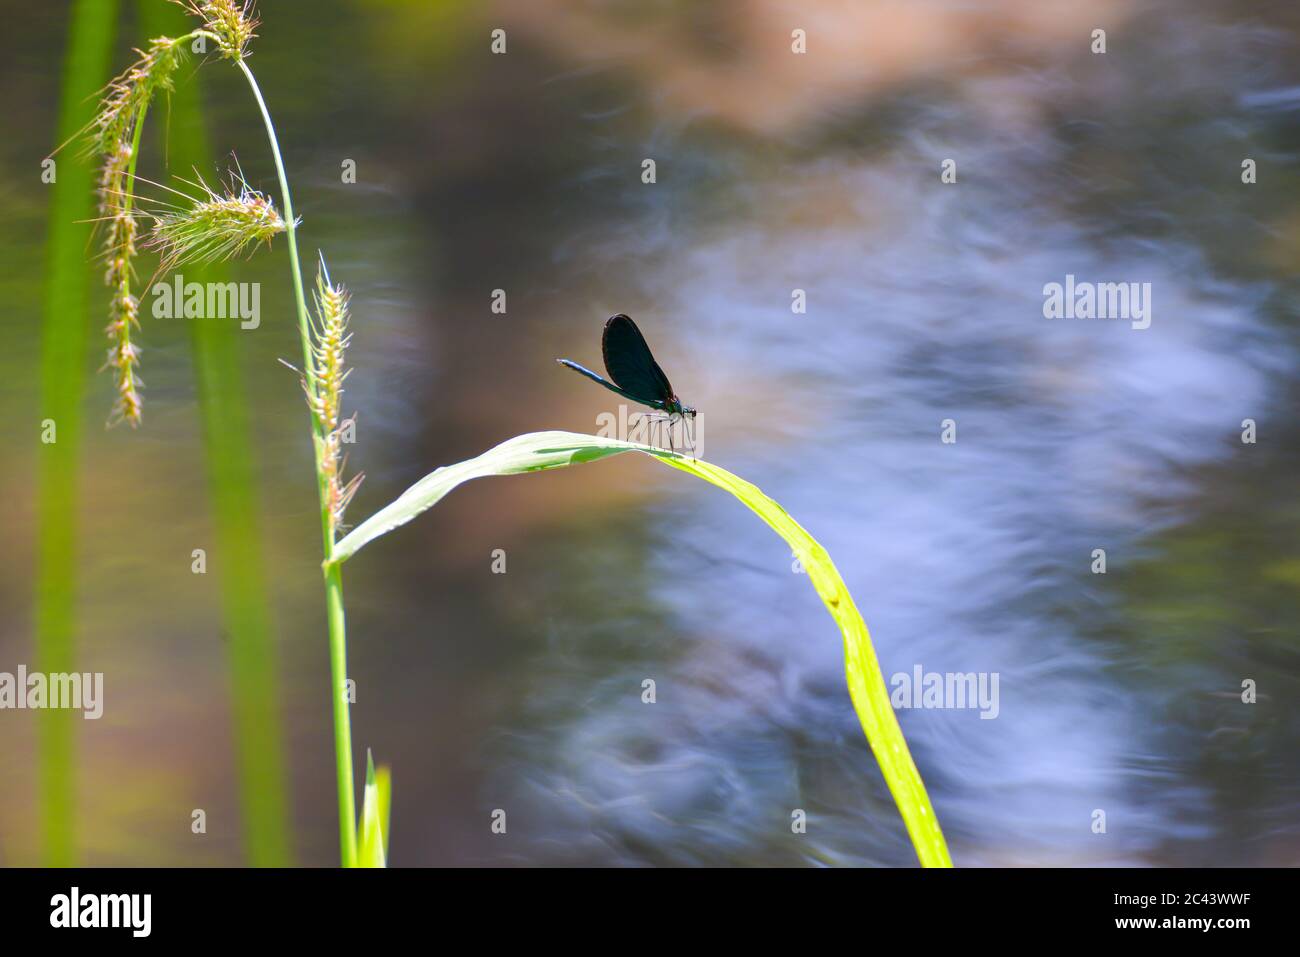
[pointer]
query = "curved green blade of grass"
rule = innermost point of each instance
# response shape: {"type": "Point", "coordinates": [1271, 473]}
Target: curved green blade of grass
{"type": "Point", "coordinates": [537, 451]}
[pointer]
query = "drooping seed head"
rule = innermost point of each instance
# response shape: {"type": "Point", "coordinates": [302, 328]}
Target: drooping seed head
{"type": "Point", "coordinates": [111, 136]}
{"type": "Point", "coordinates": [114, 124]}
{"type": "Point", "coordinates": [214, 227]}
{"type": "Point", "coordinates": [230, 21]}
{"type": "Point", "coordinates": [123, 357]}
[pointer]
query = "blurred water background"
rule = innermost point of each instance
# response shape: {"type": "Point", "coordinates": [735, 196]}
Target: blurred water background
{"type": "Point", "coordinates": [820, 172]}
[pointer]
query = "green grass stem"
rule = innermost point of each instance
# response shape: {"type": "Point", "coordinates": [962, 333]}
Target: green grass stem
{"type": "Point", "coordinates": [333, 576]}
{"type": "Point", "coordinates": [232, 483]}
{"type": "Point", "coordinates": [63, 373]}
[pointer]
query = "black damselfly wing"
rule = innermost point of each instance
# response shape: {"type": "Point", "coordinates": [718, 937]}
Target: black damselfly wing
{"type": "Point", "coordinates": [630, 363]}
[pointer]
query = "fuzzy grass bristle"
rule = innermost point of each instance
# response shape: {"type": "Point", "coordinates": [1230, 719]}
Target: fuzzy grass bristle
{"type": "Point", "coordinates": [113, 135]}
{"type": "Point", "coordinates": [230, 22]}
{"type": "Point", "coordinates": [216, 226]}
{"type": "Point", "coordinates": [119, 252]}
{"type": "Point", "coordinates": [324, 389]}
{"type": "Point", "coordinates": [123, 357]}
{"type": "Point", "coordinates": [123, 354]}
{"type": "Point", "coordinates": [133, 89]}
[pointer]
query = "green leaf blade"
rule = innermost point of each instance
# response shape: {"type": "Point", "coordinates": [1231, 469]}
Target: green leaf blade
{"type": "Point", "coordinates": [372, 849]}
{"type": "Point", "coordinates": [539, 451]}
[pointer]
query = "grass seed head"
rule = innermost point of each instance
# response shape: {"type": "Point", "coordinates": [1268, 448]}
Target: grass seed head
{"type": "Point", "coordinates": [330, 339]}
{"type": "Point", "coordinates": [111, 135]}
{"type": "Point", "coordinates": [215, 226]}
{"type": "Point", "coordinates": [123, 310]}
{"type": "Point", "coordinates": [230, 21]}
{"type": "Point", "coordinates": [127, 93]}
{"type": "Point", "coordinates": [123, 357]}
